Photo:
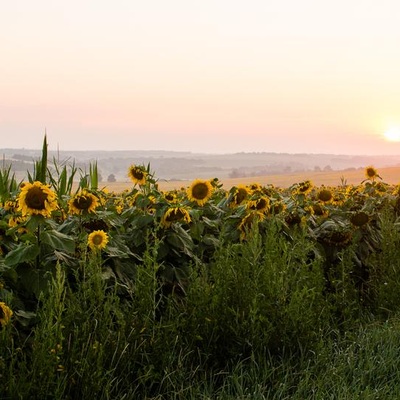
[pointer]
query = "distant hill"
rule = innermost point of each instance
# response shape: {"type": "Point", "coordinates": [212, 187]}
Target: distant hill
{"type": "Point", "coordinates": [173, 165]}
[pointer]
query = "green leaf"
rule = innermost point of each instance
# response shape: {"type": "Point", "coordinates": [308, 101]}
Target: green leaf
{"type": "Point", "coordinates": [143, 220]}
{"type": "Point", "coordinates": [58, 241]}
{"type": "Point", "coordinates": [197, 230]}
{"type": "Point", "coordinates": [94, 176]}
{"type": "Point", "coordinates": [121, 251]}
{"type": "Point", "coordinates": [22, 253]}
{"type": "Point", "coordinates": [43, 163]}
{"type": "Point", "coordinates": [179, 239]}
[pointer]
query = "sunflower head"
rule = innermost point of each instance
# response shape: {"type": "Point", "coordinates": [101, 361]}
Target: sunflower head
{"type": "Point", "coordinates": [319, 210]}
{"type": "Point", "coordinates": [255, 187]}
{"type": "Point", "coordinates": [241, 194]}
{"type": "Point", "coordinates": [325, 195]}
{"type": "Point", "coordinates": [277, 207]}
{"type": "Point", "coordinates": [293, 218]}
{"type": "Point", "coordinates": [359, 219]}
{"type": "Point", "coordinates": [97, 240]}
{"type": "Point", "coordinates": [175, 214]}
{"type": "Point", "coordinates": [371, 173]}
{"type": "Point", "coordinates": [11, 206]}
{"type": "Point", "coordinates": [248, 221]}
{"type": "Point", "coordinates": [170, 196]}
{"type": "Point", "coordinates": [5, 314]}
{"type": "Point", "coordinates": [138, 174]}
{"type": "Point", "coordinates": [36, 199]}
{"type": "Point", "coordinates": [83, 202]}
{"type": "Point", "coordinates": [261, 204]}
{"type": "Point", "coordinates": [304, 187]}
{"type": "Point", "coordinates": [338, 238]}
{"type": "Point", "coordinates": [200, 191]}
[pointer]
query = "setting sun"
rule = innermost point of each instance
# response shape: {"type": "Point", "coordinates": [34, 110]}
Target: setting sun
{"type": "Point", "coordinates": [393, 134]}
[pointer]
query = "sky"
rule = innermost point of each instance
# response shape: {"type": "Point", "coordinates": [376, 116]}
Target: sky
{"type": "Point", "coordinates": [209, 76]}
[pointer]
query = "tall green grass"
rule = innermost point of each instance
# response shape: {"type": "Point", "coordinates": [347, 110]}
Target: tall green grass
{"type": "Point", "coordinates": [255, 322]}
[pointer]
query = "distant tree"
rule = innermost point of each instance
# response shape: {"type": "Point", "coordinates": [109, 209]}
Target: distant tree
{"type": "Point", "coordinates": [287, 169]}
{"type": "Point", "coordinates": [327, 168]}
{"type": "Point", "coordinates": [317, 168]}
{"type": "Point", "coordinates": [111, 178]}
{"type": "Point", "coordinates": [236, 173]}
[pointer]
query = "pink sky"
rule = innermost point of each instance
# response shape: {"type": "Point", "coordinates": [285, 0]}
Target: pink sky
{"type": "Point", "coordinates": [203, 76]}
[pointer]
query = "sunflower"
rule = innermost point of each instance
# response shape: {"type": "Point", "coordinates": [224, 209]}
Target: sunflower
{"type": "Point", "coordinates": [293, 218]}
{"type": "Point", "coordinates": [10, 206]}
{"type": "Point", "coordinates": [175, 214]}
{"type": "Point", "coordinates": [371, 173]}
{"type": "Point", "coordinates": [138, 174]}
{"type": "Point", "coordinates": [247, 222]}
{"type": "Point", "coordinates": [338, 238]}
{"type": "Point", "coordinates": [325, 195]}
{"type": "Point", "coordinates": [241, 194]}
{"type": "Point", "coordinates": [255, 187]}
{"type": "Point", "coordinates": [261, 204]}
{"type": "Point", "coordinates": [5, 314]}
{"type": "Point", "coordinates": [359, 219]}
{"type": "Point", "coordinates": [36, 198]}
{"type": "Point", "coordinates": [277, 207]}
{"type": "Point", "coordinates": [304, 187]}
{"type": "Point", "coordinates": [16, 220]}
{"type": "Point", "coordinates": [320, 210]}
{"type": "Point", "coordinates": [97, 240]}
{"type": "Point", "coordinates": [200, 191]}
{"type": "Point", "coordinates": [83, 202]}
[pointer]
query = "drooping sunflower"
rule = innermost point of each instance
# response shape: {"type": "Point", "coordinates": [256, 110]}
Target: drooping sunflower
{"type": "Point", "coordinates": [241, 194]}
{"type": "Point", "coordinates": [200, 191]}
{"type": "Point", "coordinates": [170, 196]}
{"type": "Point", "coordinates": [36, 199]}
{"type": "Point", "coordinates": [325, 195]}
{"type": "Point", "coordinates": [16, 220]}
{"type": "Point", "coordinates": [5, 314]}
{"type": "Point", "coordinates": [277, 207]}
{"type": "Point", "coordinates": [261, 204]}
{"type": "Point", "coordinates": [255, 187]}
{"type": "Point", "coordinates": [304, 187]}
{"type": "Point", "coordinates": [371, 173]}
{"type": "Point", "coordinates": [320, 210]}
{"type": "Point", "coordinates": [248, 221]}
{"type": "Point", "coordinates": [338, 238]}
{"type": "Point", "coordinates": [175, 214]}
{"type": "Point", "coordinates": [138, 174]}
{"type": "Point", "coordinates": [97, 240]}
{"type": "Point", "coordinates": [83, 202]}
{"type": "Point", "coordinates": [293, 218]}
{"type": "Point", "coordinates": [359, 219]}
{"type": "Point", "coordinates": [11, 206]}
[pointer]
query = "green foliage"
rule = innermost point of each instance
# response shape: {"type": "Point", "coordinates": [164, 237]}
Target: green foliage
{"type": "Point", "coordinates": [291, 297]}
{"type": "Point", "coordinates": [40, 166]}
{"type": "Point", "coordinates": [63, 178]}
{"type": "Point", "coordinates": [8, 184]}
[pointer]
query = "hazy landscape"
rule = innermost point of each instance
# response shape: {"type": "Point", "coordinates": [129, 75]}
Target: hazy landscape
{"type": "Point", "coordinates": [276, 168]}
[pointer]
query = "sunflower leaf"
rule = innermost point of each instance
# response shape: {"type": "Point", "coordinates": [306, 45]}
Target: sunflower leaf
{"type": "Point", "coordinates": [22, 253]}
{"type": "Point", "coordinates": [59, 241]}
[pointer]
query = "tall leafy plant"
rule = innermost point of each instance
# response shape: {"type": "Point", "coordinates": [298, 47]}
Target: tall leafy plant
{"type": "Point", "coordinates": [40, 166]}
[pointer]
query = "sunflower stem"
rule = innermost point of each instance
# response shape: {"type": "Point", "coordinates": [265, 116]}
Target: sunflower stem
{"type": "Point", "coordinates": [38, 243]}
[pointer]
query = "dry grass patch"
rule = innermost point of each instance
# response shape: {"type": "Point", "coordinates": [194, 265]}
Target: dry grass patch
{"type": "Point", "coordinates": [389, 175]}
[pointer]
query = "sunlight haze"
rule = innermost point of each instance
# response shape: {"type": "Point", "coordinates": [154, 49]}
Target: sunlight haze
{"type": "Point", "coordinates": [202, 76]}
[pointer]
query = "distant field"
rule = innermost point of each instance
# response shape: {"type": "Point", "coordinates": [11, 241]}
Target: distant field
{"type": "Point", "coordinates": [389, 175]}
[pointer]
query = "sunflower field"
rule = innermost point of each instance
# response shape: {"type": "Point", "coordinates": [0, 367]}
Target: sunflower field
{"type": "Point", "coordinates": [202, 292]}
